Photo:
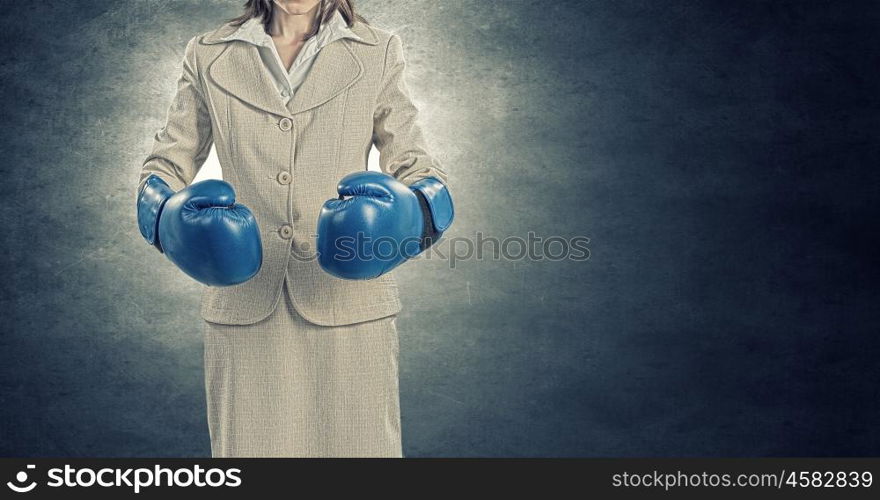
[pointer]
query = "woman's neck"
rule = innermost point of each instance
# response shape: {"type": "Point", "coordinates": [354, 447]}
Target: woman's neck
{"type": "Point", "coordinates": [289, 23]}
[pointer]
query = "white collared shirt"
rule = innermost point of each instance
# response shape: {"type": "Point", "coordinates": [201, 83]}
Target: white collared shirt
{"type": "Point", "coordinates": [288, 82]}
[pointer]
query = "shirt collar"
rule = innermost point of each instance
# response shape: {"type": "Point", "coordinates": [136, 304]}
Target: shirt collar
{"type": "Point", "coordinates": [252, 31]}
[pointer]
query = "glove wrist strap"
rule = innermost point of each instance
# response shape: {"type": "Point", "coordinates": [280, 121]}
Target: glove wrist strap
{"type": "Point", "coordinates": [151, 198]}
{"type": "Point", "coordinates": [437, 209]}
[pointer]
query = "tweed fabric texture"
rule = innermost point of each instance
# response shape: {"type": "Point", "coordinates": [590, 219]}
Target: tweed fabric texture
{"type": "Point", "coordinates": [285, 387]}
{"type": "Point", "coordinates": [284, 159]}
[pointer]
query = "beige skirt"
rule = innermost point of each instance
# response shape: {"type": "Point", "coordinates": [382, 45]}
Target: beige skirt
{"type": "Point", "coordinates": [284, 387]}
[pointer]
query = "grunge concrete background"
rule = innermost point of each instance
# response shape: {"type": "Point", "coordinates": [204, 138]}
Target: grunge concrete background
{"type": "Point", "coordinates": [722, 157]}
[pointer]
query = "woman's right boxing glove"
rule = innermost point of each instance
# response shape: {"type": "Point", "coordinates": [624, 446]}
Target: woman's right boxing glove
{"type": "Point", "coordinates": [201, 230]}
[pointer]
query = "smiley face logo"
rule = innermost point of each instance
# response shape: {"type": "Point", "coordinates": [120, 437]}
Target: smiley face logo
{"type": "Point", "coordinates": [21, 478]}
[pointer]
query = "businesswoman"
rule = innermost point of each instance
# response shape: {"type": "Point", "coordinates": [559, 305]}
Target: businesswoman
{"type": "Point", "coordinates": [293, 94]}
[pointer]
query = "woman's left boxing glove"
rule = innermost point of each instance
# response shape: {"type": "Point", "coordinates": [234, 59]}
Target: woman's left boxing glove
{"type": "Point", "coordinates": [378, 223]}
{"type": "Point", "coordinates": [201, 230]}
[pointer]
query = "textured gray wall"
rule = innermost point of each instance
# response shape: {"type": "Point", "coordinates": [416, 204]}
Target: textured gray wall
{"type": "Point", "coordinates": [721, 156]}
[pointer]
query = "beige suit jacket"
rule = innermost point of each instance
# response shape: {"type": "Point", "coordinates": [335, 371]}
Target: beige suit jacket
{"type": "Point", "coordinates": [284, 161]}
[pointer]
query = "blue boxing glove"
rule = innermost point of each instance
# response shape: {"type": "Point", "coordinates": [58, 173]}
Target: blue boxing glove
{"type": "Point", "coordinates": [201, 230]}
{"type": "Point", "coordinates": [378, 223]}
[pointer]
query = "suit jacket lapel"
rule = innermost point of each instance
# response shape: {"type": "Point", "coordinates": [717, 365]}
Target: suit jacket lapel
{"type": "Point", "coordinates": [240, 71]}
{"type": "Point", "coordinates": [335, 69]}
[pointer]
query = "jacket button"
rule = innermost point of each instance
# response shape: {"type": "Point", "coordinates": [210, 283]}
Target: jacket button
{"type": "Point", "coordinates": [286, 231]}
{"type": "Point", "coordinates": [284, 177]}
{"type": "Point", "coordinates": [285, 124]}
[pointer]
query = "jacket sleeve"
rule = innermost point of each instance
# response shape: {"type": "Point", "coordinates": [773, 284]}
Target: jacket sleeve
{"type": "Point", "coordinates": [396, 131]}
{"type": "Point", "coordinates": [181, 146]}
